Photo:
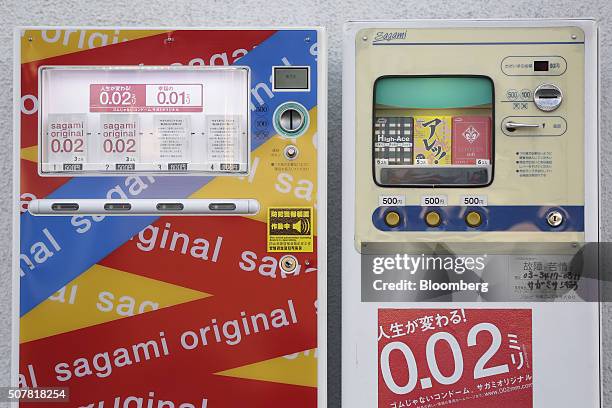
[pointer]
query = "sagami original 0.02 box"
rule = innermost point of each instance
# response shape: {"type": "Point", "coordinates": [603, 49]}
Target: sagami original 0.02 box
{"type": "Point", "coordinates": [471, 141]}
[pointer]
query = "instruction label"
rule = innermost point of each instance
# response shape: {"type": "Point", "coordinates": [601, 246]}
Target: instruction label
{"type": "Point", "coordinates": [173, 136]}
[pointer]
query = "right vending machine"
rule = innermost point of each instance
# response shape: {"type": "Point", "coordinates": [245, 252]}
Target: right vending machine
{"type": "Point", "coordinates": [471, 249]}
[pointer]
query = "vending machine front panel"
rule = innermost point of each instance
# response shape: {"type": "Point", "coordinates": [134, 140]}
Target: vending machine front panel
{"type": "Point", "coordinates": [170, 216]}
{"type": "Point", "coordinates": [470, 214]}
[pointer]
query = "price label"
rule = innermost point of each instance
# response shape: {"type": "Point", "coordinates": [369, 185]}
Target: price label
{"type": "Point", "coordinates": [435, 200]}
{"type": "Point", "coordinates": [146, 98]}
{"type": "Point", "coordinates": [460, 358]}
{"type": "Point", "coordinates": [385, 200]}
{"type": "Point", "coordinates": [480, 200]}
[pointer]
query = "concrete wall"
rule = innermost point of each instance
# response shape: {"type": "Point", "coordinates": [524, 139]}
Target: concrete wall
{"type": "Point", "coordinates": [330, 14]}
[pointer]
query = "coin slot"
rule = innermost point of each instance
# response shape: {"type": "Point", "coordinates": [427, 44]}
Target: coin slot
{"type": "Point", "coordinates": [170, 207]}
{"type": "Point", "coordinates": [222, 206]}
{"type": "Point", "coordinates": [547, 97]}
{"type": "Point", "coordinates": [291, 120]}
{"type": "Point", "coordinates": [60, 207]}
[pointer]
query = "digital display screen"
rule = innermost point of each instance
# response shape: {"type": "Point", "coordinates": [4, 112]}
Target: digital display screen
{"type": "Point", "coordinates": [144, 119]}
{"type": "Point", "coordinates": [291, 78]}
{"type": "Point", "coordinates": [540, 65]}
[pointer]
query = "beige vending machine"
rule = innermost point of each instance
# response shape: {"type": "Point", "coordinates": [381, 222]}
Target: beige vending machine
{"type": "Point", "coordinates": [470, 214]}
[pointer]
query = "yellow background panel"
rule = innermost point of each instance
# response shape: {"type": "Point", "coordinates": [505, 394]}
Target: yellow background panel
{"type": "Point", "coordinates": [299, 369]}
{"type": "Point", "coordinates": [97, 296]}
{"type": "Point", "coordinates": [30, 153]}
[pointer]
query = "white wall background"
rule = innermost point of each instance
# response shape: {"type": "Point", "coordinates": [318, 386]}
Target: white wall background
{"type": "Point", "coordinates": [330, 14]}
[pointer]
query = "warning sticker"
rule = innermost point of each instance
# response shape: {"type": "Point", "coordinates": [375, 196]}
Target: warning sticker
{"type": "Point", "coordinates": [290, 229]}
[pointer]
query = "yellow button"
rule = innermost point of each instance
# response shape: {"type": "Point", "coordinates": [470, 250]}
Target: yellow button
{"type": "Point", "coordinates": [392, 219]}
{"type": "Point", "coordinates": [433, 219]}
{"type": "Point", "coordinates": [473, 219]}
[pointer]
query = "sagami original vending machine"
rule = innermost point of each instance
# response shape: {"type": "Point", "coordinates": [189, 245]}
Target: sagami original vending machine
{"type": "Point", "coordinates": [470, 214]}
{"type": "Point", "coordinates": [170, 217]}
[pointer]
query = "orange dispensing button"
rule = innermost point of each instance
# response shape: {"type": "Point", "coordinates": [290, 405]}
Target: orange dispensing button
{"type": "Point", "coordinates": [433, 218]}
{"type": "Point", "coordinates": [392, 219]}
{"type": "Point", "coordinates": [473, 219]}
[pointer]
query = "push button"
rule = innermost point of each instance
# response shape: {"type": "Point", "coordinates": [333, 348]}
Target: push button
{"type": "Point", "coordinates": [392, 219]}
{"type": "Point", "coordinates": [291, 152]}
{"type": "Point", "coordinates": [433, 219]}
{"type": "Point", "coordinates": [473, 219]}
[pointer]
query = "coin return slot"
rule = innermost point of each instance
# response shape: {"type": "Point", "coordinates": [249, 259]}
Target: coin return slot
{"type": "Point", "coordinates": [60, 207]}
{"type": "Point", "coordinates": [549, 94]}
{"type": "Point", "coordinates": [117, 206]}
{"type": "Point", "coordinates": [222, 206]}
{"type": "Point", "coordinates": [170, 207]}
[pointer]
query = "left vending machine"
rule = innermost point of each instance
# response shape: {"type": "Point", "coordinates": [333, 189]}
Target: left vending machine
{"type": "Point", "coordinates": [170, 217]}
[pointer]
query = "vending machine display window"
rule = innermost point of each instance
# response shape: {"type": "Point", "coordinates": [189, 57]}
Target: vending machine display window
{"type": "Point", "coordinates": [171, 120]}
{"type": "Point", "coordinates": [431, 131]}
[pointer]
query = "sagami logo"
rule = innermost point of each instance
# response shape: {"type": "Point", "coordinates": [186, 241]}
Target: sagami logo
{"type": "Point", "coordinates": [386, 36]}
